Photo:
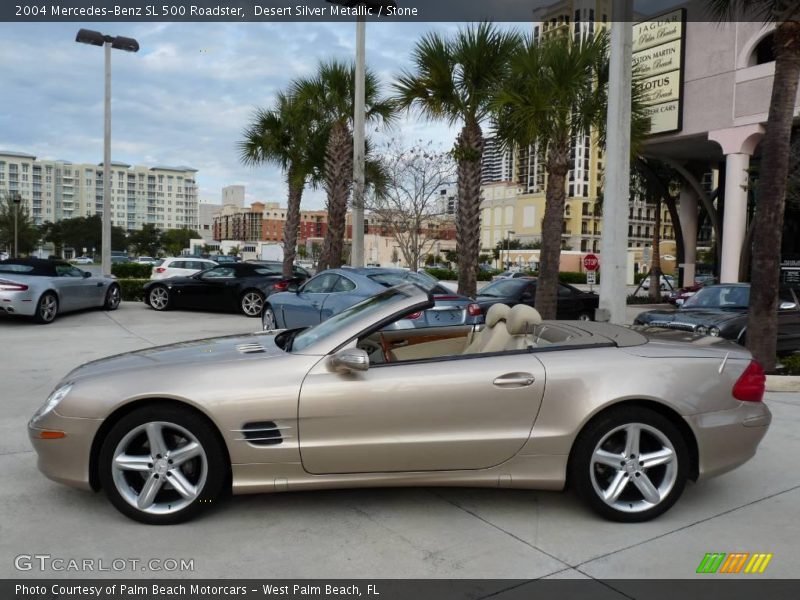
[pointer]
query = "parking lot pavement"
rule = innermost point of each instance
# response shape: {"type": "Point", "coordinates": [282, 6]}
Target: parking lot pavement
{"type": "Point", "coordinates": [425, 532]}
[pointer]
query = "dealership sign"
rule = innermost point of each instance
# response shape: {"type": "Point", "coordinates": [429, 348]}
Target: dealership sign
{"type": "Point", "coordinates": [658, 56]}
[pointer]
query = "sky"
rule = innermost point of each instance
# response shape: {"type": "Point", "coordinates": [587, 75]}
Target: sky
{"type": "Point", "coordinates": [186, 96]}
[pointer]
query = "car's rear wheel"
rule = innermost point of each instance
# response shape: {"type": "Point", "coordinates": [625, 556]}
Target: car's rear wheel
{"type": "Point", "coordinates": [252, 303]}
{"type": "Point", "coordinates": [268, 322]}
{"type": "Point", "coordinates": [629, 464]}
{"type": "Point", "coordinates": [113, 298]}
{"type": "Point", "coordinates": [585, 316]}
{"type": "Point", "coordinates": [46, 308]}
{"type": "Point", "coordinates": [159, 297]}
{"type": "Point", "coordinates": [162, 465]}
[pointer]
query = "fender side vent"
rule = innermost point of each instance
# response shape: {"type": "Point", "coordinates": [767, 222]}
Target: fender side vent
{"type": "Point", "coordinates": [250, 348]}
{"type": "Point", "coordinates": [261, 433]}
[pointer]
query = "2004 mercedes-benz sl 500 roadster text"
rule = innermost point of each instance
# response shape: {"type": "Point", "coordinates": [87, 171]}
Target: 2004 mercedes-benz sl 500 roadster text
{"type": "Point", "coordinates": [623, 418]}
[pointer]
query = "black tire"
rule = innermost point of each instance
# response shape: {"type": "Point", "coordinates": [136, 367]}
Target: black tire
{"type": "Point", "coordinates": [631, 506]}
{"type": "Point", "coordinates": [210, 488]}
{"type": "Point", "coordinates": [585, 316]}
{"type": "Point", "coordinates": [268, 320]}
{"type": "Point", "coordinates": [251, 303]}
{"type": "Point", "coordinates": [46, 309]}
{"type": "Point", "coordinates": [159, 298]}
{"type": "Point", "coordinates": [113, 297]}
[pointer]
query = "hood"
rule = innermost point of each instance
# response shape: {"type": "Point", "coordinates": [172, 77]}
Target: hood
{"type": "Point", "coordinates": [210, 350]}
{"type": "Point", "coordinates": [690, 317]}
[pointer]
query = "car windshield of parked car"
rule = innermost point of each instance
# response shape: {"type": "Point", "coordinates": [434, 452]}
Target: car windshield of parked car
{"type": "Point", "coordinates": [371, 306]}
{"type": "Point", "coordinates": [720, 296]}
{"type": "Point", "coordinates": [502, 288]}
{"type": "Point", "coordinates": [390, 279]}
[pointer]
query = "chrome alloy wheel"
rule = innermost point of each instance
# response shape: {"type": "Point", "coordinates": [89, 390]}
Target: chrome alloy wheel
{"type": "Point", "coordinates": [159, 298]}
{"type": "Point", "coordinates": [268, 320]}
{"type": "Point", "coordinates": [252, 304]}
{"type": "Point", "coordinates": [48, 307]}
{"type": "Point", "coordinates": [159, 468]}
{"type": "Point", "coordinates": [113, 298]}
{"type": "Point", "coordinates": [633, 468]}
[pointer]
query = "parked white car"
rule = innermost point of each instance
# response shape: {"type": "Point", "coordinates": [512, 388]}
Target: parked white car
{"type": "Point", "coordinates": [82, 260]}
{"type": "Point", "coordinates": [146, 260]}
{"type": "Point", "coordinates": [667, 283]}
{"type": "Point", "coordinates": [180, 266]}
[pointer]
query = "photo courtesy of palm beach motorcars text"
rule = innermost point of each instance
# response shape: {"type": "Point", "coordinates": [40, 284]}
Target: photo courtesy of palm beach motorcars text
{"type": "Point", "coordinates": [391, 299]}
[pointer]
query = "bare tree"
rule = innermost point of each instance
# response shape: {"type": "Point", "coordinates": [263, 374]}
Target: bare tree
{"type": "Point", "coordinates": [410, 209]}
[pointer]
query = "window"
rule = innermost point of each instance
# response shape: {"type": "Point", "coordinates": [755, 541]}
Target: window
{"type": "Point", "coordinates": [68, 271]}
{"type": "Point", "coordinates": [220, 273]}
{"type": "Point", "coordinates": [343, 284]}
{"type": "Point", "coordinates": [321, 284]}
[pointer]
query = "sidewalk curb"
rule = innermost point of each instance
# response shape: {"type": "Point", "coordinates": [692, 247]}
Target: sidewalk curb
{"type": "Point", "coordinates": [783, 383]}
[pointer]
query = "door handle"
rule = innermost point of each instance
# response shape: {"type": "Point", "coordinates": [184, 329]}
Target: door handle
{"type": "Point", "coordinates": [511, 380]}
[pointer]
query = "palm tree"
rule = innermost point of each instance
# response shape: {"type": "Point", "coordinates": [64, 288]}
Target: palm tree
{"type": "Point", "coordinates": [286, 135]}
{"type": "Point", "coordinates": [556, 89]}
{"type": "Point", "coordinates": [456, 80]}
{"type": "Point", "coordinates": [762, 320]}
{"type": "Point", "coordinates": [332, 95]}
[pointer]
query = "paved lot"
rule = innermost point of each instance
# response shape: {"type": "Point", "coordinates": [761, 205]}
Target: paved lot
{"type": "Point", "coordinates": [460, 533]}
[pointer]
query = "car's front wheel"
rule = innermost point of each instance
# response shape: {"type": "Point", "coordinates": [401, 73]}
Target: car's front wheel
{"type": "Point", "coordinates": [268, 321]}
{"type": "Point", "coordinates": [585, 316]}
{"type": "Point", "coordinates": [252, 303]}
{"type": "Point", "coordinates": [159, 298]}
{"type": "Point", "coordinates": [46, 308]}
{"type": "Point", "coordinates": [113, 298]}
{"type": "Point", "coordinates": [629, 464]}
{"type": "Point", "coordinates": [162, 465]}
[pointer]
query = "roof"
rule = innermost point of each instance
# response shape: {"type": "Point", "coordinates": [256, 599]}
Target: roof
{"type": "Point", "coordinates": [180, 169]}
{"type": "Point", "coordinates": [17, 154]}
{"type": "Point", "coordinates": [114, 163]}
{"type": "Point", "coordinates": [40, 266]}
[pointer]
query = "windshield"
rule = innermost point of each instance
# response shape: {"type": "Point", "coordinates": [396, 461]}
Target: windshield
{"type": "Point", "coordinates": [389, 279]}
{"type": "Point", "coordinates": [720, 296]}
{"type": "Point", "coordinates": [371, 306]}
{"type": "Point", "coordinates": [502, 288]}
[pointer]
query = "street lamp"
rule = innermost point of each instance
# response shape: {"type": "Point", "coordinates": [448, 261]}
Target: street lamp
{"type": "Point", "coordinates": [95, 38]}
{"type": "Point", "coordinates": [359, 149]}
{"type": "Point", "coordinates": [17, 199]}
{"type": "Point", "coordinates": [509, 233]}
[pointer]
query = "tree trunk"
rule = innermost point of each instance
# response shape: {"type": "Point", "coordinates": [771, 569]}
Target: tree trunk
{"type": "Point", "coordinates": [469, 152]}
{"type": "Point", "coordinates": [762, 322]}
{"type": "Point", "coordinates": [292, 224]}
{"type": "Point", "coordinates": [550, 254]}
{"type": "Point", "coordinates": [655, 263]}
{"type": "Point", "coordinates": [338, 183]}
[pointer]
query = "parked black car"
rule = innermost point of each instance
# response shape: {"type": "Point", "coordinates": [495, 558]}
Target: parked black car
{"type": "Point", "coordinates": [236, 286]}
{"type": "Point", "coordinates": [721, 311]}
{"type": "Point", "coordinates": [571, 303]}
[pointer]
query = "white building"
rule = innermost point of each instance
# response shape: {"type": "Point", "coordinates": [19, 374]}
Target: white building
{"type": "Point", "coordinates": [233, 195]}
{"type": "Point", "coordinates": [52, 190]}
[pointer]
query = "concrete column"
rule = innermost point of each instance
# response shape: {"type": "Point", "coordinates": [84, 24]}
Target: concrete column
{"type": "Point", "coordinates": [734, 223]}
{"type": "Point", "coordinates": [687, 213]}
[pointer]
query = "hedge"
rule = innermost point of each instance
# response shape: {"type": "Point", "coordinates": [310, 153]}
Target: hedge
{"type": "Point", "coordinates": [450, 275]}
{"type": "Point", "coordinates": [789, 365]}
{"type": "Point", "coordinates": [131, 270]}
{"type": "Point", "coordinates": [575, 277]}
{"type": "Point", "coordinates": [636, 299]}
{"type": "Point", "coordinates": [132, 289]}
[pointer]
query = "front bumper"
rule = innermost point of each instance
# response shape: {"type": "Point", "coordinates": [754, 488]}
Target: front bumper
{"type": "Point", "coordinates": [18, 303]}
{"type": "Point", "coordinates": [729, 438]}
{"type": "Point", "coordinates": [65, 460]}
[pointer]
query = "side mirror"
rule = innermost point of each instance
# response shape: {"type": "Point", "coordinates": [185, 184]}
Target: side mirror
{"type": "Point", "coordinates": [350, 359]}
{"type": "Point", "coordinates": [787, 306]}
{"type": "Point", "coordinates": [86, 274]}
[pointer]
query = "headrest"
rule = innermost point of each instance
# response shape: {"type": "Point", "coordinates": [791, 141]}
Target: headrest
{"type": "Point", "coordinates": [521, 319]}
{"type": "Point", "coordinates": [496, 313]}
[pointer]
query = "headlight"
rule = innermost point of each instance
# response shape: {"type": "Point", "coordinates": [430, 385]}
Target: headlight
{"type": "Point", "coordinates": [701, 329]}
{"type": "Point", "coordinates": [713, 331]}
{"type": "Point", "coordinates": [57, 396]}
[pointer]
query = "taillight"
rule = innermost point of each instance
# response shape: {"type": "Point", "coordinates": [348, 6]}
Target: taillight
{"type": "Point", "coordinates": [160, 269]}
{"type": "Point", "coordinates": [751, 384]}
{"type": "Point", "coordinates": [7, 286]}
{"type": "Point", "coordinates": [474, 310]}
{"type": "Point", "coordinates": [414, 315]}
{"type": "Point", "coordinates": [281, 286]}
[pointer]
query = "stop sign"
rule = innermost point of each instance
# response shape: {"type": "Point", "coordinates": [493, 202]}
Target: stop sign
{"type": "Point", "coordinates": [591, 262]}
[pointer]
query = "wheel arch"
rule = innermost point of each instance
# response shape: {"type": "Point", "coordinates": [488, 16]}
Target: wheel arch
{"type": "Point", "coordinates": [128, 408]}
{"type": "Point", "coordinates": [669, 413]}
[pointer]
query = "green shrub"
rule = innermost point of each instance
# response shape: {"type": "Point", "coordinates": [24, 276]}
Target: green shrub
{"type": "Point", "coordinates": [132, 289]}
{"type": "Point", "coordinates": [443, 274]}
{"type": "Point", "coordinates": [131, 270]}
{"type": "Point", "coordinates": [790, 365]}
{"type": "Point", "coordinates": [637, 278]}
{"type": "Point", "coordinates": [485, 275]}
{"type": "Point", "coordinates": [636, 299]}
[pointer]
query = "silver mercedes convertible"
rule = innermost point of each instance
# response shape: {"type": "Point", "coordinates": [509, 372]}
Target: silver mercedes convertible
{"type": "Point", "coordinates": [624, 419]}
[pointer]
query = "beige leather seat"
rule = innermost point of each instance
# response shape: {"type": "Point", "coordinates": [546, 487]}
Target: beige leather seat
{"type": "Point", "coordinates": [521, 321]}
{"type": "Point", "coordinates": [494, 335]}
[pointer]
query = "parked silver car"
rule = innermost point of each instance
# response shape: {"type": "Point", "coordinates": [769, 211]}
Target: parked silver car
{"type": "Point", "coordinates": [625, 418]}
{"type": "Point", "coordinates": [43, 289]}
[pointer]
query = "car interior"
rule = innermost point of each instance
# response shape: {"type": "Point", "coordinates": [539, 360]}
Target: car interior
{"type": "Point", "coordinates": [505, 330]}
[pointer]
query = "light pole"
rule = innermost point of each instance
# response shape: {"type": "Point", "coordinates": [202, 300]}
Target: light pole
{"type": "Point", "coordinates": [509, 233]}
{"type": "Point", "coordinates": [359, 146]}
{"type": "Point", "coordinates": [95, 38]}
{"type": "Point", "coordinates": [17, 200]}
